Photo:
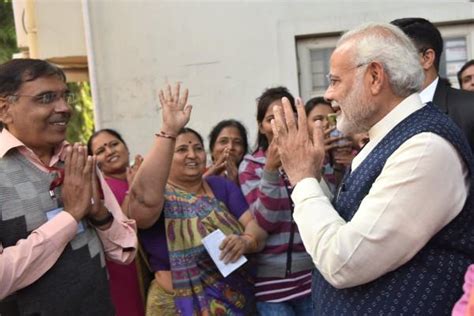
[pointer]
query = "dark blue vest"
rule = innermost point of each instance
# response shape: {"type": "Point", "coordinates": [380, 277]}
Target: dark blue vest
{"type": "Point", "coordinates": [431, 282]}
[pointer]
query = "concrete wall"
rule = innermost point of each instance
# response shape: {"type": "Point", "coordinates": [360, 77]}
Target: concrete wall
{"type": "Point", "coordinates": [226, 53]}
{"type": "Point", "coordinates": [60, 29]}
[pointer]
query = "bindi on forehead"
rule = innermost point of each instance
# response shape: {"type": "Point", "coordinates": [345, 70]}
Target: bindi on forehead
{"type": "Point", "coordinates": [105, 144]}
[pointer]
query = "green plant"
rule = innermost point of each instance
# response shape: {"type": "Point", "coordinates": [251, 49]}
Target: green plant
{"type": "Point", "coordinates": [81, 125]}
{"type": "Point", "coordinates": [7, 31]}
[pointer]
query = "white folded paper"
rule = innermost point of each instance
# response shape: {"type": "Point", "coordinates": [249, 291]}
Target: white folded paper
{"type": "Point", "coordinates": [212, 242]}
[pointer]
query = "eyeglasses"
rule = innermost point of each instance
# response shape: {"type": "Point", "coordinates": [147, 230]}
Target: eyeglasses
{"type": "Point", "coordinates": [46, 98]}
{"type": "Point", "coordinates": [332, 80]}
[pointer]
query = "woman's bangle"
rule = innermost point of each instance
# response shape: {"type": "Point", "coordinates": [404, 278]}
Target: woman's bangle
{"type": "Point", "coordinates": [165, 135]}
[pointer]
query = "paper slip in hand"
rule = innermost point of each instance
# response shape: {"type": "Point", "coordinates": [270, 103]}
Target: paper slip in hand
{"type": "Point", "coordinates": [212, 242]}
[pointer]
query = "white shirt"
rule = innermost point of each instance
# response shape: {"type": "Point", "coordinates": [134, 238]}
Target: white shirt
{"type": "Point", "coordinates": [422, 187]}
{"type": "Point", "coordinates": [427, 93]}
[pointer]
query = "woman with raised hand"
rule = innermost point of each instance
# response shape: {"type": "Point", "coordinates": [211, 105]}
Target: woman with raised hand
{"type": "Point", "coordinates": [227, 145]}
{"type": "Point", "coordinates": [112, 157]}
{"type": "Point", "coordinates": [339, 149]}
{"type": "Point", "coordinates": [176, 207]}
{"type": "Point", "coordinates": [283, 285]}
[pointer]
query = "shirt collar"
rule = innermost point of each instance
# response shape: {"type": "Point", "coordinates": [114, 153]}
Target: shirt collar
{"type": "Point", "coordinates": [408, 106]}
{"type": "Point", "coordinates": [427, 93]}
{"type": "Point", "coordinates": [8, 141]}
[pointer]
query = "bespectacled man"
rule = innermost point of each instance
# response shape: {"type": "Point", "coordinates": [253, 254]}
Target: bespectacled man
{"type": "Point", "coordinates": [54, 226]}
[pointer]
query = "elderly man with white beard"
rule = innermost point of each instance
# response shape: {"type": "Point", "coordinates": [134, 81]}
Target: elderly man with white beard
{"type": "Point", "coordinates": [398, 236]}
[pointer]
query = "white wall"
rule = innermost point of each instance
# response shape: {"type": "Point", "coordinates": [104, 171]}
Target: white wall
{"type": "Point", "coordinates": [60, 28]}
{"type": "Point", "coordinates": [226, 53]}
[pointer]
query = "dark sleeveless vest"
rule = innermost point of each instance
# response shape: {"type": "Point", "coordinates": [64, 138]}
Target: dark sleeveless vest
{"type": "Point", "coordinates": [431, 282]}
{"type": "Point", "coordinates": [77, 283]}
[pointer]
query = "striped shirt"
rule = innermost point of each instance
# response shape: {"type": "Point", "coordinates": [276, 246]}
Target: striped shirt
{"type": "Point", "coordinates": [275, 290]}
{"type": "Point", "coordinates": [270, 204]}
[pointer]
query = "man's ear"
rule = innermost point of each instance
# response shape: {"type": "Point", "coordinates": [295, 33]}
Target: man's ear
{"type": "Point", "coordinates": [5, 115]}
{"type": "Point", "coordinates": [428, 59]}
{"type": "Point", "coordinates": [377, 76]}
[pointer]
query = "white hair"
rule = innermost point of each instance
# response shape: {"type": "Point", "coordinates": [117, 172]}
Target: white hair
{"type": "Point", "coordinates": [387, 44]}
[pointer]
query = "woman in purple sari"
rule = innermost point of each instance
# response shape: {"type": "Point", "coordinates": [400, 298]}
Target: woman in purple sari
{"type": "Point", "coordinates": [176, 207]}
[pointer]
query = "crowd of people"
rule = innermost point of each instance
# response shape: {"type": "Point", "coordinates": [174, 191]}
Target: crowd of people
{"type": "Point", "coordinates": [372, 214]}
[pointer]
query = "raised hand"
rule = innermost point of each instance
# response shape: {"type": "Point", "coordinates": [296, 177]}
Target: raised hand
{"type": "Point", "coordinates": [98, 212]}
{"type": "Point", "coordinates": [76, 191]}
{"type": "Point", "coordinates": [231, 171]}
{"type": "Point", "coordinates": [97, 207]}
{"type": "Point", "coordinates": [331, 142]}
{"type": "Point", "coordinates": [301, 158]}
{"type": "Point", "coordinates": [175, 110]}
{"type": "Point", "coordinates": [218, 167]}
{"type": "Point", "coordinates": [273, 161]}
{"type": "Point", "coordinates": [132, 170]}
{"type": "Point", "coordinates": [343, 155]}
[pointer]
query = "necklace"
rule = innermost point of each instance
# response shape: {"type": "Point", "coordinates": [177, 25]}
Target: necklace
{"type": "Point", "coordinates": [201, 190]}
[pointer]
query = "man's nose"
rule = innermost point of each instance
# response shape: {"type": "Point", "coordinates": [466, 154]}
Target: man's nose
{"type": "Point", "coordinates": [328, 95]}
{"type": "Point", "coordinates": [62, 106]}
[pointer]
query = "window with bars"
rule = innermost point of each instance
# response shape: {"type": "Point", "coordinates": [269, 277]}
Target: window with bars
{"type": "Point", "coordinates": [453, 58]}
{"type": "Point", "coordinates": [320, 67]}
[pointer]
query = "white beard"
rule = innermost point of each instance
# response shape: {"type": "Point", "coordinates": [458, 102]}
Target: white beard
{"type": "Point", "coordinates": [359, 107]}
{"type": "Point", "coordinates": [348, 127]}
